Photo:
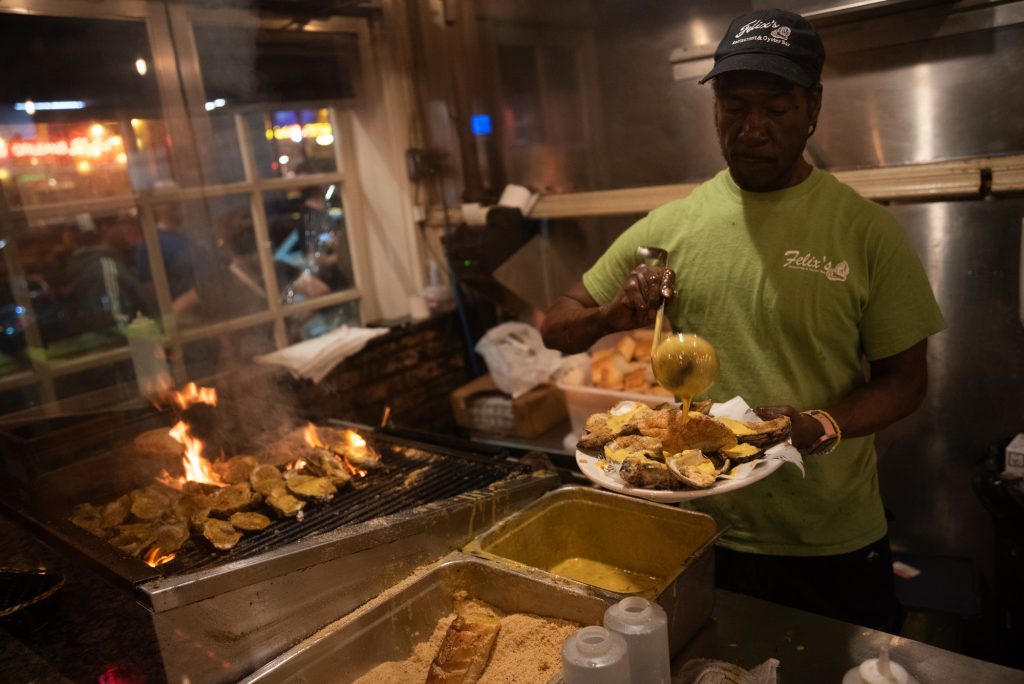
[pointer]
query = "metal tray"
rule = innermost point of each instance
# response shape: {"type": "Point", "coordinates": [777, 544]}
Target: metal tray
{"type": "Point", "coordinates": [670, 545]}
{"type": "Point", "coordinates": [388, 628]}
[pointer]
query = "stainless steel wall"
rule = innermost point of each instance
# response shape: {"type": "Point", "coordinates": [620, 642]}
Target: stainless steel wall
{"type": "Point", "coordinates": [904, 83]}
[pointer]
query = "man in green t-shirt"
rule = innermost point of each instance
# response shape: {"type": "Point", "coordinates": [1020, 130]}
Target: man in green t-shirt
{"type": "Point", "coordinates": [795, 280]}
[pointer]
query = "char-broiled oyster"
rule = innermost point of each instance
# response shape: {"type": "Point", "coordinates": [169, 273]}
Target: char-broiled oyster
{"type": "Point", "coordinates": [640, 471]}
{"type": "Point", "coordinates": [741, 453]}
{"type": "Point", "coordinates": [170, 537]}
{"type": "Point", "coordinates": [250, 522]}
{"type": "Point", "coordinates": [194, 508]}
{"type": "Point", "coordinates": [221, 534]}
{"type": "Point", "coordinates": [692, 468]}
{"type": "Point", "coordinates": [266, 478]}
{"type": "Point", "coordinates": [762, 434]}
{"type": "Point", "coordinates": [116, 511]}
{"type": "Point", "coordinates": [679, 431]}
{"type": "Point", "coordinates": [323, 463]}
{"type": "Point", "coordinates": [309, 487]}
{"type": "Point", "coordinates": [89, 518]}
{"type": "Point", "coordinates": [633, 445]}
{"type": "Point", "coordinates": [622, 419]}
{"type": "Point", "coordinates": [150, 503]}
{"type": "Point", "coordinates": [359, 454]}
{"type": "Point", "coordinates": [284, 503]}
{"type": "Point", "coordinates": [231, 499]}
{"type": "Point", "coordinates": [189, 503]}
{"type": "Point", "coordinates": [236, 469]}
{"type": "Point", "coordinates": [134, 538]}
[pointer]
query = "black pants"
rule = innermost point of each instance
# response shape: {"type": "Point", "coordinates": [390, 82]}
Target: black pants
{"type": "Point", "coordinates": [855, 587]}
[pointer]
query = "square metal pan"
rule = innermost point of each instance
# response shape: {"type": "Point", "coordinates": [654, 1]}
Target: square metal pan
{"type": "Point", "coordinates": [388, 628]}
{"type": "Point", "coordinates": [672, 544]}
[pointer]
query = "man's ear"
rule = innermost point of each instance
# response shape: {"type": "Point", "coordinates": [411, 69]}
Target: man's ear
{"type": "Point", "coordinates": [814, 103]}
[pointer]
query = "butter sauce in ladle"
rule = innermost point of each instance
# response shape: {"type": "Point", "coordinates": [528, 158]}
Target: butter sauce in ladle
{"type": "Point", "coordinates": [683, 363]}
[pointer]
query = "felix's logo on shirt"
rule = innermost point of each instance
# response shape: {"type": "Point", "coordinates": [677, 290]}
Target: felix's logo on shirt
{"type": "Point", "coordinates": [811, 262]}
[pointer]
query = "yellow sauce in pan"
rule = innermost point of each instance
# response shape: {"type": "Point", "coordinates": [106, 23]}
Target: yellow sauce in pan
{"type": "Point", "coordinates": [603, 575]}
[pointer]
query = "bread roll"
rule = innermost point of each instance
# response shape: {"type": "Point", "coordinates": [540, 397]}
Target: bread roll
{"type": "Point", "coordinates": [465, 650]}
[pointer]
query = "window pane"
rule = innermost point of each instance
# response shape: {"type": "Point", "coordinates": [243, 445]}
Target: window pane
{"type": "Point", "coordinates": [208, 250]}
{"type": "Point", "coordinates": [84, 120]}
{"type": "Point", "coordinates": [309, 324]}
{"type": "Point", "coordinates": [83, 284]}
{"type": "Point", "coordinates": [292, 142]}
{"type": "Point", "coordinates": [310, 242]}
{"type": "Point", "coordinates": [221, 158]}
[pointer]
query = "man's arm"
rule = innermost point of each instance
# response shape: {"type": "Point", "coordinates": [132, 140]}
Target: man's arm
{"type": "Point", "coordinates": [575, 320]}
{"type": "Point", "coordinates": [895, 389]}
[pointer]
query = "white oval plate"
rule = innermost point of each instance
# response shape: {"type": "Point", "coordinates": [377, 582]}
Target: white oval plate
{"type": "Point", "coordinates": [590, 467]}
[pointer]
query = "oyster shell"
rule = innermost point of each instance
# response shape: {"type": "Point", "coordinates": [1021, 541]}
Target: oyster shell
{"type": "Point", "coordinates": [150, 503]}
{"type": "Point", "coordinates": [266, 478]}
{"type": "Point", "coordinates": [309, 487]}
{"type": "Point", "coordinates": [250, 522]}
{"type": "Point", "coordinates": [236, 469]}
{"type": "Point", "coordinates": [284, 503]}
{"type": "Point", "coordinates": [89, 518]}
{"type": "Point", "coordinates": [134, 538]}
{"type": "Point", "coordinates": [231, 499]}
{"type": "Point", "coordinates": [169, 538]}
{"type": "Point", "coordinates": [692, 468]}
{"type": "Point", "coordinates": [742, 452]}
{"type": "Point", "coordinates": [762, 434]}
{"type": "Point", "coordinates": [633, 445]}
{"type": "Point", "coordinates": [221, 534]}
{"type": "Point", "coordinates": [622, 419]}
{"type": "Point", "coordinates": [323, 463]}
{"type": "Point", "coordinates": [116, 511]}
{"type": "Point", "coordinates": [640, 471]}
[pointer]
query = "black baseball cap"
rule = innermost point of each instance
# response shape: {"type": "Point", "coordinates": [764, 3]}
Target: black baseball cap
{"type": "Point", "coordinates": [773, 41]}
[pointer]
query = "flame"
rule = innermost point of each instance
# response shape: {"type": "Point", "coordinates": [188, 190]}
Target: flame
{"type": "Point", "coordinates": [197, 468]}
{"type": "Point", "coordinates": [312, 437]}
{"type": "Point", "coordinates": [194, 394]}
{"type": "Point", "coordinates": [154, 557]}
{"type": "Point", "coordinates": [354, 439]}
{"type": "Point", "coordinates": [355, 445]}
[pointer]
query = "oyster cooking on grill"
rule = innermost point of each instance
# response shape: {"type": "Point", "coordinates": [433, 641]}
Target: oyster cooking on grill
{"type": "Point", "coordinates": [154, 521]}
{"type": "Point", "coordinates": [309, 487]}
{"type": "Point", "coordinates": [221, 534]}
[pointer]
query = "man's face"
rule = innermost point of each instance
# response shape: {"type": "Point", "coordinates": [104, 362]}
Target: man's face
{"type": "Point", "coordinates": [763, 123]}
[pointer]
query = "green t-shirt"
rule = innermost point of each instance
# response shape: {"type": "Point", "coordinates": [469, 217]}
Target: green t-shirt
{"type": "Point", "coordinates": [793, 288]}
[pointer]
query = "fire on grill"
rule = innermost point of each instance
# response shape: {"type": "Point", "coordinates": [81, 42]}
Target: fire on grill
{"type": "Point", "coordinates": [221, 500]}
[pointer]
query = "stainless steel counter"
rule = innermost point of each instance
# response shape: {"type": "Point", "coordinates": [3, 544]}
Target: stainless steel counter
{"type": "Point", "coordinates": [818, 650]}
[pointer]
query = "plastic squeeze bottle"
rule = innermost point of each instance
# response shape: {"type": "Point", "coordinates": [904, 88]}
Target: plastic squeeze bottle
{"type": "Point", "coordinates": [644, 626]}
{"type": "Point", "coordinates": [879, 670]}
{"type": "Point", "coordinates": [594, 655]}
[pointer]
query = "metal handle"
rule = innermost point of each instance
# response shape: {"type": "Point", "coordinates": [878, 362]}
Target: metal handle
{"type": "Point", "coordinates": [651, 256]}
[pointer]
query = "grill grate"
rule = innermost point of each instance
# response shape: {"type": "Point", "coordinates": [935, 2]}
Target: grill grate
{"type": "Point", "coordinates": [408, 476]}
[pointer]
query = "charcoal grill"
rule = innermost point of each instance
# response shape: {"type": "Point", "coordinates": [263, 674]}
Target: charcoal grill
{"type": "Point", "coordinates": [218, 616]}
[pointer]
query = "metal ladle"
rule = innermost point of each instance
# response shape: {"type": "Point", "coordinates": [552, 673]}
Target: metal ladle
{"type": "Point", "coordinates": [655, 256]}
